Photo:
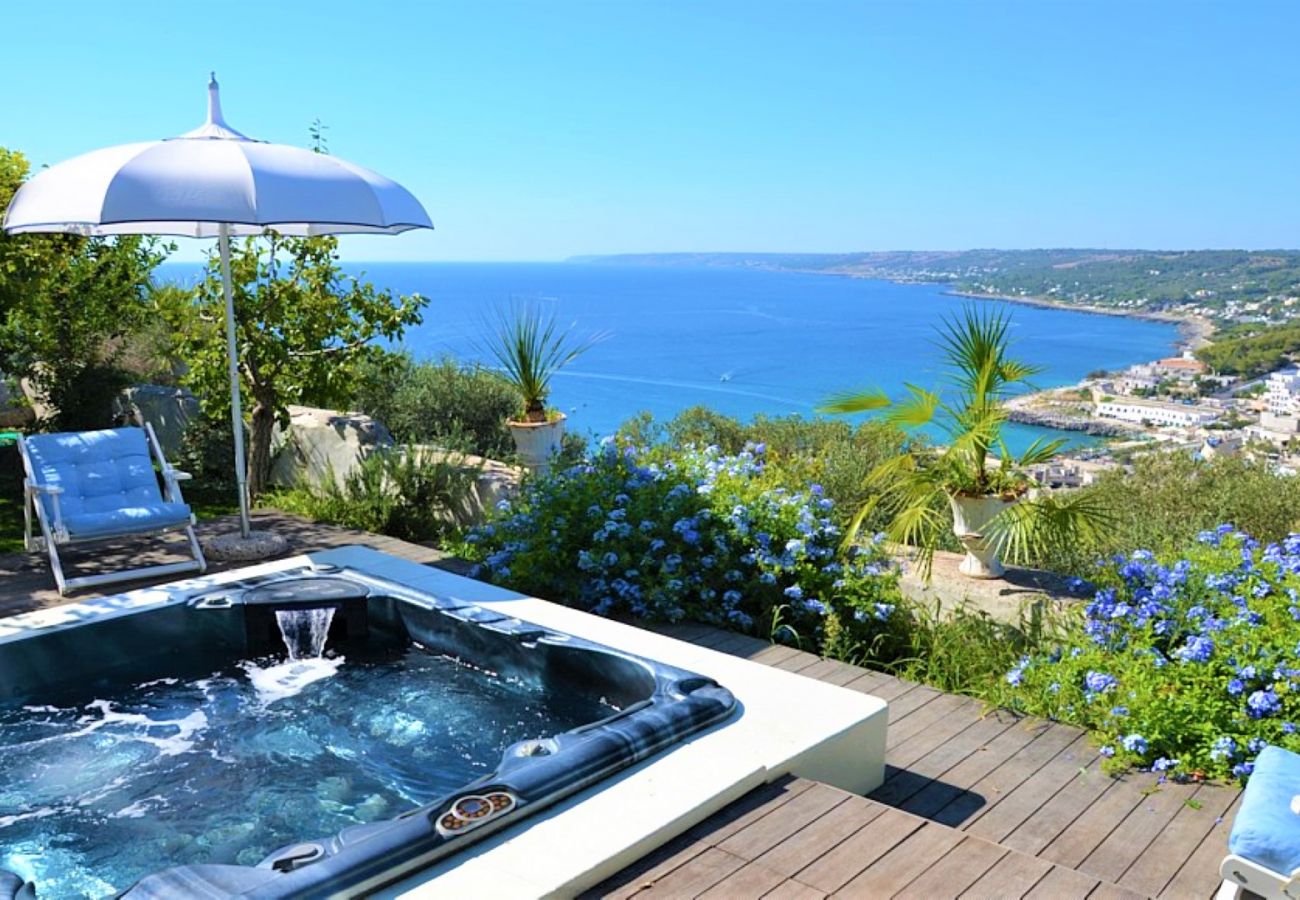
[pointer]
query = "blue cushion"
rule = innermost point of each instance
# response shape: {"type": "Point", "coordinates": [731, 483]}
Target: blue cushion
{"type": "Point", "coordinates": [1266, 831]}
{"type": "Point", "coordinates": [108, 480]}
{"type": "Point", "coordinates": [130, 520]}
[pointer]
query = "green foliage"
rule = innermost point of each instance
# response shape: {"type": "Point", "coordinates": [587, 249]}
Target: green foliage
{"type": "Point", "coordinates": [439, 402]}
{"type": "Point", "coordinates": [1251, 351]}
{"type": "Point", "coordinates": [671, 533]}
{"type": "Point", "coordinates": [1168, 498]}
{"type": "Point", "coordinates": [1186, 664]}
{"type": "Point", "coordinates": [66, 303]}
{"type": "Point", "coordinates": [303, 328]}
{"type": "Point", "coordinates": [531, 349]}
{"type": "Point", "coordinates": [403, 493]}
{"type": "Point", "coordinates": [913, 488]}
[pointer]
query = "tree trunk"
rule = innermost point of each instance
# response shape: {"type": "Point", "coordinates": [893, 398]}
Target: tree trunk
{"type": "Point", "coordinates": [259, 448]}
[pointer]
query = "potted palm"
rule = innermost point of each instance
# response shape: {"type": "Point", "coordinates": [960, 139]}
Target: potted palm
{"type": "Point", "coordinates": [995, 513]}
{"type": "Point", "coordinates": [530, 348]}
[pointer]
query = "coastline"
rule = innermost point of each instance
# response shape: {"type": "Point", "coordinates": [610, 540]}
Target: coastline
{"type": "Point", "coordinates": [1194, 332]}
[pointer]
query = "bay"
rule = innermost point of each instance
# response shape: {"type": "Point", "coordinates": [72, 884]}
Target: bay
{"type": "Point", "coordinates": [740, 341]}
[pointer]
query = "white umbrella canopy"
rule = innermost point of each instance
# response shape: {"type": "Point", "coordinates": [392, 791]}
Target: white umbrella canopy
{"type": "Point", "coordinates": [213, 182]}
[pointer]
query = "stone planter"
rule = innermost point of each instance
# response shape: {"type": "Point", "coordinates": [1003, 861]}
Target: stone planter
{"type": "Point", "coordinates": [970, 516]}
{"type": "Point", "coordinates": [538, 442]}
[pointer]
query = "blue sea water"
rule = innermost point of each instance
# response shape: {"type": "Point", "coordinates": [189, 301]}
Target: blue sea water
{"type": "Point", "coordinates": [741, 341]}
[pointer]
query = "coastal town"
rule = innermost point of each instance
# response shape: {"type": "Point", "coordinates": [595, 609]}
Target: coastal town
{"type": "Point", "coordinates": [1173, 405]}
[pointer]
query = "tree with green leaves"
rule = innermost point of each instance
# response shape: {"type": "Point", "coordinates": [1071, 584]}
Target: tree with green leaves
{"type": "Point", "coordinates": [303, 328]}
{"type": "Point", "coordinates": [65, 303]}
{"type": "Point", "coordinates": [917, 487]}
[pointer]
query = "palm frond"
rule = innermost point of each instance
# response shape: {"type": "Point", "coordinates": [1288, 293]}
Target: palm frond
{"type": "Point", "coordinates": [855, 402]}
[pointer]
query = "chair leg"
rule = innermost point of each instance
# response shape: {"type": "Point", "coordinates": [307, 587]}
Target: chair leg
{"type": "Point", "coordinates": [197, 550]}
{"type": "Point", "coordinates": [57, 566]}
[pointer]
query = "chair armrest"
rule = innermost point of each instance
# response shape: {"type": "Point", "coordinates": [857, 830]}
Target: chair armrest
{"type": "Point", "coordinates": [177, 474]}
{"type": "Point", "coordinates": [35, 488]}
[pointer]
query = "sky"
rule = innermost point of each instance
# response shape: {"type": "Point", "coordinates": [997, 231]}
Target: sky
{"type": "Point", "coordinates": [541, 130]}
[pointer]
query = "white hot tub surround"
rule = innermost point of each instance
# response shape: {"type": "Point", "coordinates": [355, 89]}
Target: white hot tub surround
{"type": "Point", "coordinates": [786, 724]}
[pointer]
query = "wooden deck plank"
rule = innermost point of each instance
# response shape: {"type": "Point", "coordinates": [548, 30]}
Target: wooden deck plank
{"type": "Point", "coordinates": [751, 880]}
{"type": "Point", "coordinates": [935, 765]}
{"type": "Point", "coordinates": [1131, 837]}
{"type": "Point", "coordinates": [1108, 891]}
{"type": "Point", "coordinates": [910, 702]}
{"type": "Point", "coordinates": [878, 684]}
{"type": "Point", "coordinates": [773, 654]}
{"type": "Point", "coordinates": [763, 834]}
{"type": "Point", "coordinates": [900, 866]}
{"type": "Point", "coordinates": [820, 836]}
{"type": "Point", "coordinates": [930, 726]}
{"type": "Point", "coordinates": [1000, 784]}
{"type": "Point", "coordinates": [843, 862]}
{"type": "Point", "coordinates": [1060, 883]}
{"type": "Point", "coordinates": [794, 890]}
{"type": "Point", "coordinates": [799, 661]}
{"type": "Point", "coordinates": [1051, 814]}
{"type": "Point", "coordinates": [1168, 853]}
{"type": "Point", "coordinates": [951, 876]}
{"type": "Point", "coordinates": [1199, 876]}
{"type": "Point", "coordinates": [1013, 876]}
{"type": "Point", "coordinates": [961, 778]}
{"type": "Point", "coordinates": [693, 877]}
{"type": "Point", "coordinates": [1093, 825]}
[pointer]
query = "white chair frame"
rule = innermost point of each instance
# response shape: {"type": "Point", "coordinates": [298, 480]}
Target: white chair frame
{"type": "Point", "coordinates": [53, 534]}
{"type": "Point", "coordinates": [1242, 878]}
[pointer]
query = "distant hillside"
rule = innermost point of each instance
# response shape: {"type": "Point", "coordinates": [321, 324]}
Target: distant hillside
{"type": "Point", "coordinates": [1237, 285]}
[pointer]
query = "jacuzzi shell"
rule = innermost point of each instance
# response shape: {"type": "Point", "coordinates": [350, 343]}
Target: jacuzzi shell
{"type": "Point", "coordinates": [659, 705]}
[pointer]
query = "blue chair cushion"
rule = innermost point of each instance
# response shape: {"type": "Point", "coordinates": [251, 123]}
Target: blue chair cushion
{"type": "Point", "coordinates": [130, 520]}
{"type": "Point", "coordinates": [108, 480]}
{"type": "Point", "coordinates": [1266, 831]}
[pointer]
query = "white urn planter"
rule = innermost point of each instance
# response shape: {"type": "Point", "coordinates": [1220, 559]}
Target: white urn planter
{"type": "Point", "coordinates": [538, 442]}
{"type": "Point", "coordinates": [970, 517]}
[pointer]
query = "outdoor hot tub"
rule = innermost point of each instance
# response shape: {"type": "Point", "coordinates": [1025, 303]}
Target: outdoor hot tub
{"type": "Point", "coordinates": [310, 731]}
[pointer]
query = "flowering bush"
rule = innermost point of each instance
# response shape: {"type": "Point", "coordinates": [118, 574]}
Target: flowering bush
{"type": "Point", "coordinates": [1189, 666]}
{"type": "Point", "coordinates": [692, 533]}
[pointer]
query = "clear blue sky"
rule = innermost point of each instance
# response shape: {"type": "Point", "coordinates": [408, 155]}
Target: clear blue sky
{"type": "Point", "coordinates": [544, 129]}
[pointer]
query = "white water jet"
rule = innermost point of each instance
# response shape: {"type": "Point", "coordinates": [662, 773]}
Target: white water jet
{"type": "Point", "coordinates": [305, 630]}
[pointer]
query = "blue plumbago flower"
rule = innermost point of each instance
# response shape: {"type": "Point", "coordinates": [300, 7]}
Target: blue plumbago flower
{"type": "Point", "coordinates": [610, 559]}
{"type": "Point", "coordinates": [1163, 764]}
{"type": "Point", "coordinates": [813, 605]}
{"type": "Point", "coordinates": [1223, 748]}
{"type": "Point", "coordinates": [1242, 770]}
{"type": "Point", "coordinates": [767, 578]}
{"type": "Point", "coordinates": [1118, 711]}
{"type": "Point", "coordinates": [1017, 675]}
{"type": "Point", "coordinates": [1107, 751]}
{"type": "Point", "coordinates": [1098, 683]}
{"type": "Point", "coordinates": [1198, 649]}
{"type": "Point", "coordinates": [1254, 745]}
{"type": "Point", "coordinates": [1288, 728]}
{"type": "Point", "coordinates": [1262, 704]}
{"type": "Point", "coordinates": [1134, 743]}
{"type": "Point", "coordinates": [794, 592]}
{"type": "Point", "coordinates": [1236, 687]}
{"type": "Point", "coordinates": [882, 611]}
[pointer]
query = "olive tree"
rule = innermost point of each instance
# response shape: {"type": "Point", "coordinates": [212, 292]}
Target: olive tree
{"type": "Point", "coordinates": [303, 329]}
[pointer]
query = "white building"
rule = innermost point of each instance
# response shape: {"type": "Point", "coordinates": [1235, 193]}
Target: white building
{"type": "Point", "coordinates": [1283, 392]}
{"type": "Point", "coordinates": [1168, 415]}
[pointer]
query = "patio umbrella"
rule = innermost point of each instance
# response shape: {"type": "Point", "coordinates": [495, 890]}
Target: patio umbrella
{"type": "Point", "coordinates": [213, 182]}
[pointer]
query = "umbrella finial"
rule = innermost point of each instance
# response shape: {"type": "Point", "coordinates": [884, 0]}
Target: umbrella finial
{"type": "Point", "coordinates": [214, 101]}
{"type": "Point", "coordinates": [215, 128]}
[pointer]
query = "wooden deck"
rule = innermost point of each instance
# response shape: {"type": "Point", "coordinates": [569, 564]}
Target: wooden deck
{"type": "Point", "coordinates": [975, 803]}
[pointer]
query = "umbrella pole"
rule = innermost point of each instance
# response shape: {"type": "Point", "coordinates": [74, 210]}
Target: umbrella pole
{"type": "Point", "coordinates": [232, 354]}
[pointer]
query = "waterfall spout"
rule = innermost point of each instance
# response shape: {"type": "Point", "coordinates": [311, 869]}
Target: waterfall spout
{"type": "Point", "coordinates": [305, 630]}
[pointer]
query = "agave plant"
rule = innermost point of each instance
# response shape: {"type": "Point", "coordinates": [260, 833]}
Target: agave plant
{"type": "Point", "coordinates": [530, 348]}
{"type": "Point", "coordinates": [916, 488]}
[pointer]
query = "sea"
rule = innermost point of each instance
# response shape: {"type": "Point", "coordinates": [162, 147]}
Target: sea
{"type": "Point", "coordinates": [741, 341]}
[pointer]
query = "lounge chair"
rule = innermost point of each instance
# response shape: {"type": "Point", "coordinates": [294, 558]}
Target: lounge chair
{"type": "Point", "coordinates": [93, 485]}
{"type": "Point", "coordinates": [1264, 845]}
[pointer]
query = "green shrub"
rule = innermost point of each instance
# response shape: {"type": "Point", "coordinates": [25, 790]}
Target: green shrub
{"type": "Point", "coordinates": [1186, 665]}
{"type": "Point", "coordinates": [440, 402]}
{"type": "Point", "coordinates": [403, 493]}
{"type": "Point", "coordinates": [670, 534]}
{"type": "Point", "coordinates": [799, 451]}
{"type": "Point", "coordinates": [1169, 498]}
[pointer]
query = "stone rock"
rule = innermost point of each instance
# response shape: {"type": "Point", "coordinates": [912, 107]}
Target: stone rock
{"type": "Point", "coordinates": [1018, 593]}
{"type": "Point", "coordinates": [319, 441]}
{"type": "Point", "coordinates": [169, 410]}
{"type": "Point", "coordinates": [496, 482]}
{"type": "Point", "coordinates": [14, 412]}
